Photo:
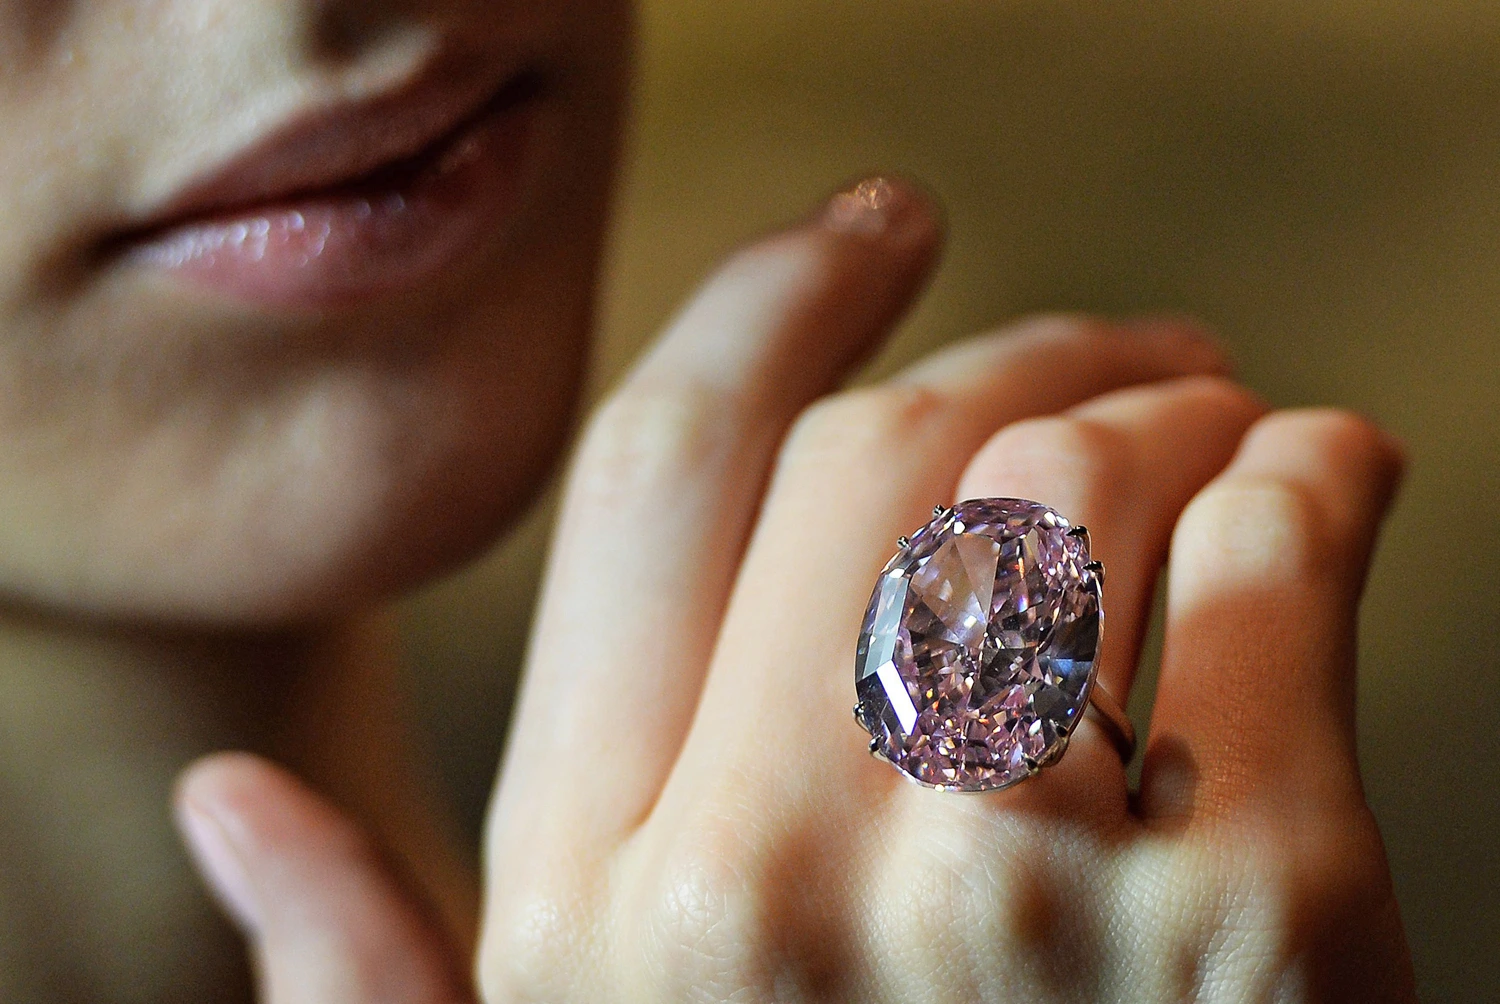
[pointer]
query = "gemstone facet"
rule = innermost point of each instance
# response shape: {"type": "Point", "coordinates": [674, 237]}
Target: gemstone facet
{"type": "Point", "coordinates": [977, 652]}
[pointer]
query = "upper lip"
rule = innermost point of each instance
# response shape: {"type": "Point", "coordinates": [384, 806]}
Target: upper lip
{"type": "Point", "coordinates": [326, 147]}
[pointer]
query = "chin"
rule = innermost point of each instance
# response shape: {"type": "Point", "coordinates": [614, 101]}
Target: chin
{"type": "Point", "coordinates": [308, 490]}
{"type": "Point", "coordinates": [329, 362]}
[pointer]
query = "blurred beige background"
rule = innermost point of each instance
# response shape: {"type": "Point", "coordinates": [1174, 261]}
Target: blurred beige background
{"type": "Point", "coordinates": [1320, 179]}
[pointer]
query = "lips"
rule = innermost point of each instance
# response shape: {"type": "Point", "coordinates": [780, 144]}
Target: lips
{"type": "Point", "coordinates": [365, 201]}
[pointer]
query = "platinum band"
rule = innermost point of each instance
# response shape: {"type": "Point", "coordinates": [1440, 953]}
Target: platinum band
{"type": "Point", "coordinates": [1113, 719]}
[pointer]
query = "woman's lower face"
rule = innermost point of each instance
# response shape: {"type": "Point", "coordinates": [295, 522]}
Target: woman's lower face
{"type": "Point", "coordinates": [293, 295]}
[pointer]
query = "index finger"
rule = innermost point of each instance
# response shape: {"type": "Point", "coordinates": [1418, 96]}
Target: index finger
{"type": "Point", "coordinates": [661, 497]}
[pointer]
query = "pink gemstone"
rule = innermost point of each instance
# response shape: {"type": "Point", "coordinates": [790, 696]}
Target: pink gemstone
{"type": "Point", "coordinates": [978, 649]}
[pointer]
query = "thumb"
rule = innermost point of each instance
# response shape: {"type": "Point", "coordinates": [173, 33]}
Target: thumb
{"type": "Point", "coordinates": [328, 917]}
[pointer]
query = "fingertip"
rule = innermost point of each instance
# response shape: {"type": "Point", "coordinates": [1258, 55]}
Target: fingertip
{"type": "Point", "coordinates": [1215, 393]}
{"type": "Point", "coordinates": [330, 915]}
{"type": "Point", "coordinates": [254, 829]}
{"type": "Point", "coordinates": [218, 776]}
{"type": "Point", "coordinates": [1194, 339]}
{"type": "Point", "coordinates": [251, 798]}
{"type": "Point", "coordinates": [1324, 441]}
{"type": "Point", "coordinates": [1232, 396]}
{"type": "Point", "coordinates": [1396, 449]}
{"type": "Point", "coordinates": [205, 811]}
{"type": "Point", "coordinates": [788, 316]}
{"type": "Point", "coordinates": [886, 208]}
{"type": "Point", "coordinates": [1381, 449]}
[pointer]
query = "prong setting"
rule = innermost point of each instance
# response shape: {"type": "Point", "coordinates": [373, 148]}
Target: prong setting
{"type": "Point", "coordinates": [1054, 754]}
{"type": "Point", "coordinates": [918, 585]}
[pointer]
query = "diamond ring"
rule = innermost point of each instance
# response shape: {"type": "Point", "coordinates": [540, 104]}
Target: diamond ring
{"type": "Point", "coordinates": [979, 651]}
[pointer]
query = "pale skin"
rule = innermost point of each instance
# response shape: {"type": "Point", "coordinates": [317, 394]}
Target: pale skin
{"type": "Point", "coordinates": [686, 810]}
{"type": "Point", "coordinates": [205, 503]}
{"type": "Point", "coordinates": [737, 843]}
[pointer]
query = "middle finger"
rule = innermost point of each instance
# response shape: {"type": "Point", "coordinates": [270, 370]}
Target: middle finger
{"type": "Point", "coordinates": [855, 474]}
{"type": "Point", "coordinates": [1125, 465]}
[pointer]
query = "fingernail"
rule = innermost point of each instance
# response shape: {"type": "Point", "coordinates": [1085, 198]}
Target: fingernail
{"type": "Point", "coordinates": [874, 208]}
{"type": "Point", "coordinates": [221, 865]}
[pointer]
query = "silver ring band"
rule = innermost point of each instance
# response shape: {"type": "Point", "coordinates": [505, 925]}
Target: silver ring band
{"type": "Point", "coordinates": [1113, 719]}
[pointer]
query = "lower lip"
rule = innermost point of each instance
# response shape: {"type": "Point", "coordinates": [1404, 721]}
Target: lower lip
{"type": "Point", "coordinates": [340, 248]}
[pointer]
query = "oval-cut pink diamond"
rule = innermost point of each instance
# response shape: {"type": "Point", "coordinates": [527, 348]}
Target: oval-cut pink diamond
{"type": "Point", "coordinates": [977, 652]}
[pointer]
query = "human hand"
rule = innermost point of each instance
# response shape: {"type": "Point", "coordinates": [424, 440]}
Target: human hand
{"type": "Point", "coordinates": [687, 812]}
{"type": "Point", "coordinates": [328, 914]}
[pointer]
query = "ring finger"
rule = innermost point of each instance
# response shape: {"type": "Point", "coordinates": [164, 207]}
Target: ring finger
{"type": "Point", "coordinates": [1125, 465]}
{"type": "Point", "coordinates": [830, 520]}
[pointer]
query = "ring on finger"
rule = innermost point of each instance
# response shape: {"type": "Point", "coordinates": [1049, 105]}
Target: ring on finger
{"type": "Point", "coordinates": [979, 651]}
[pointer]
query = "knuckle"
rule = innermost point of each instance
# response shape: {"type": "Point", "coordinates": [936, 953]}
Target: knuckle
{"type": "Point", "coordinates": [1303, 511]}
{"type": "Point", "coordinates": [642, 433]}
{"type": "Point", "coordinates": [530, 952]}
{"type": "Point", "coordinates": [1059, 328]}
{"type": "Point", "coordinates": [998, 903]}
{"type": "Point", "coordinates": [918, 870]}
{"type": "Point", "coordinates": [700, 915]}
{"type": "Point", "coordinates": [1254, 527]}
{"type": "Point", "coordinates": [863, 423]}
{"type": "Point", "coordinates": [1066, 449]}
{"type": "Point", "coordinates": [1345, 855]}
{"type": "Point", "coordinates": [1352, 460]}
{"type": "Point", "coordinates": [1214, 913]}
{"type": "Point", "coordinates": [1232, 904]}
{"type": "Point", "coordinates": [1335, 433]}
{"type": "Point", "coordinates": [1223, 393]}
{"type": "Point", "coordinates": [541, 939]}
{"type": "Point", "coordinates": [521, 959]}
